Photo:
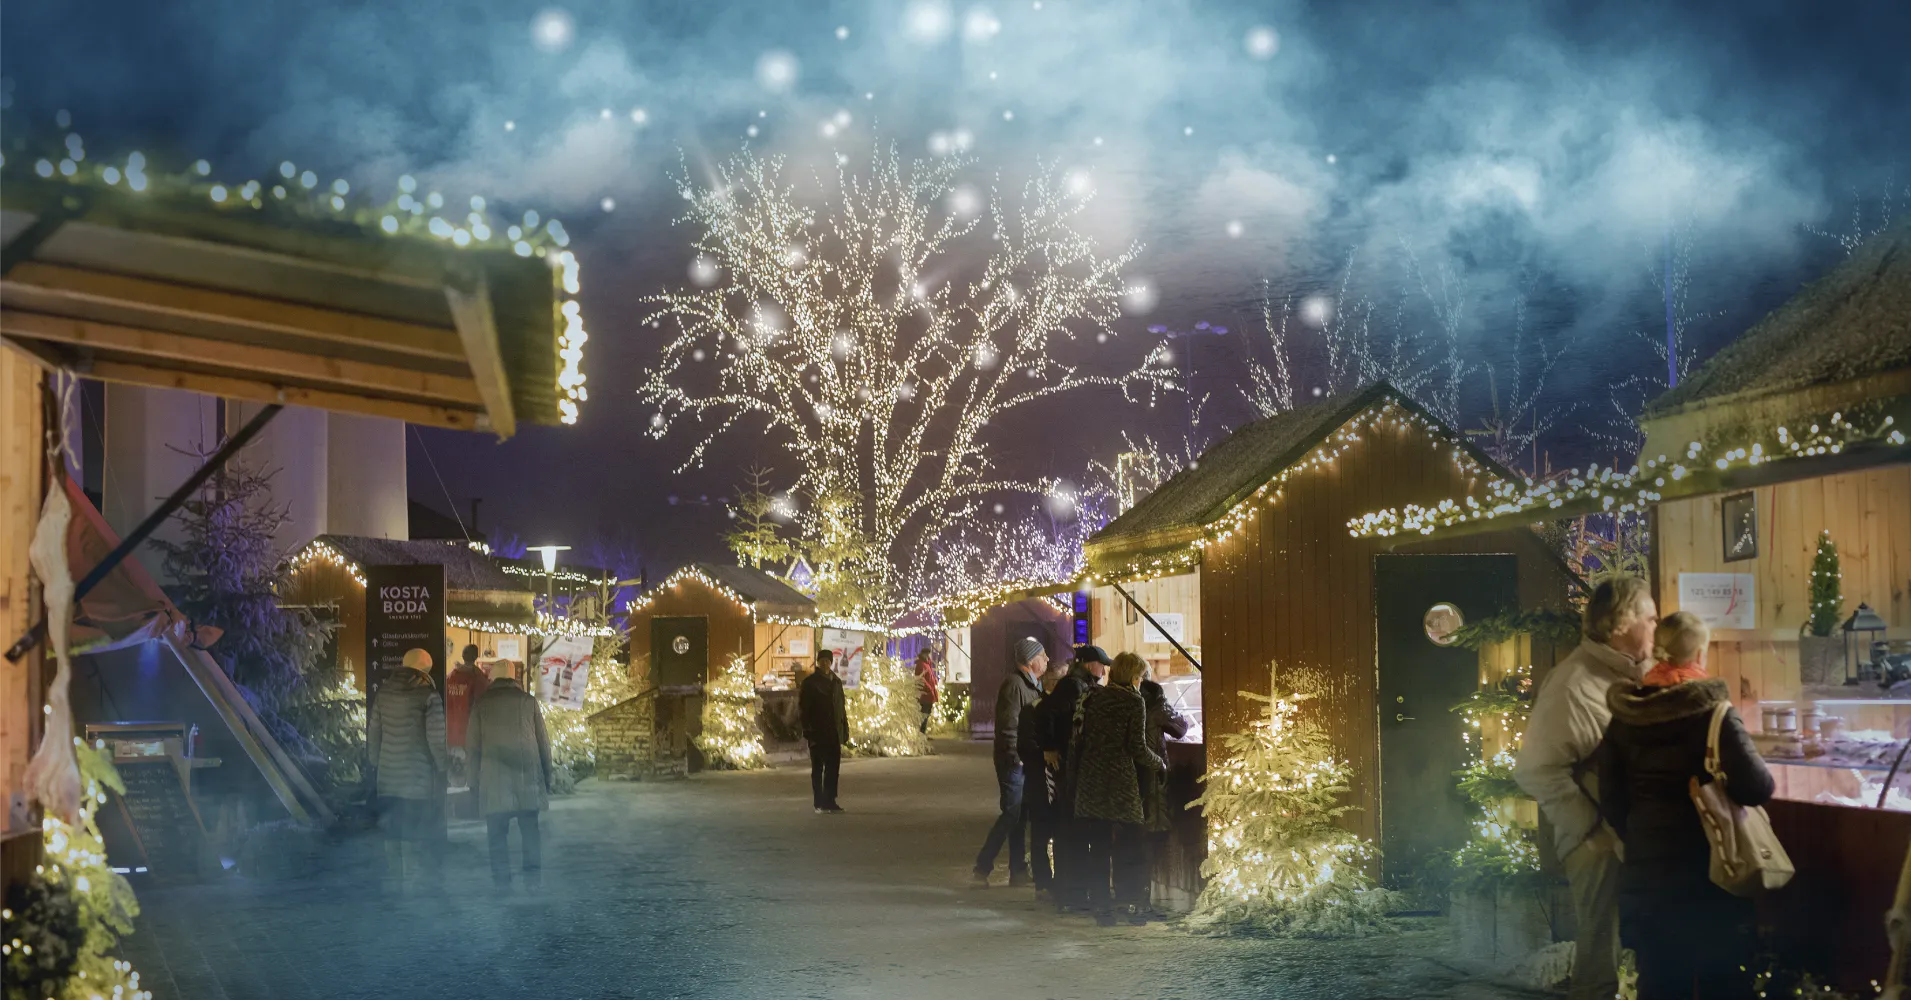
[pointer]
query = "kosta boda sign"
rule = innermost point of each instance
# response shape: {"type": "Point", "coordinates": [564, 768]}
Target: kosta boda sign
{"type": "Point", "coordinates": [404, 610]}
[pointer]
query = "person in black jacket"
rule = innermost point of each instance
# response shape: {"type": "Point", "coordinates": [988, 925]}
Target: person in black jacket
{"type": "Point", "coordinates": [1056, 718]}
{"type": "Point", "coordinates": [826, 727]}
{"type": "Point", "coordinates": [1037, 787]}
{"type": "Point", "coordinates": [1685, 932]}
{"type": "Point", "coordinates": [1019, 690]}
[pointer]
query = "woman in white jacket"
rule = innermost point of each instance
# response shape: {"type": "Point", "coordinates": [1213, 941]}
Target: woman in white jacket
{"type": "Point", "coordinates": [1556, 766]}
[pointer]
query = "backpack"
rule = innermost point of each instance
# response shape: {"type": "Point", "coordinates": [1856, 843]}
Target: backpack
{"type": "Point", "coordinates": [1747, 858]}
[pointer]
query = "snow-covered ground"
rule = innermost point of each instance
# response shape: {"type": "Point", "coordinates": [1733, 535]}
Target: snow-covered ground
{"type": "Point", "coordinates": [729, 886]}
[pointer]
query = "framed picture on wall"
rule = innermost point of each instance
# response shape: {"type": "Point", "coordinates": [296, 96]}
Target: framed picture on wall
{"type": "Point", "coordinates": [1740, 520]}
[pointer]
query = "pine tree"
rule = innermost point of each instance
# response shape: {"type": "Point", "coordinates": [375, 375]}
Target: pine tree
{"type": "Point", "coordinates": [730, 737]}
{"type": "Point", "coordinates": [1827, 589]}
{"type": "Point", "coordinates": [229, 574]}
{"type": "Point", "coordinates": [755, 540]}
{"type": "Point", "coordinates": [884, 716]}
{"type": "Point", "coordinates": [1276, 862]}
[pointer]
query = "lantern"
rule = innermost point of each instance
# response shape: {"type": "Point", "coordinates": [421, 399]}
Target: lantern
{"type": "Point", "coordinates": [1861, 632]}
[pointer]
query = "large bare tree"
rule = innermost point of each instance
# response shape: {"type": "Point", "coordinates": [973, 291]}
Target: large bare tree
{"type": "Point", "coordinates": [879, 324]}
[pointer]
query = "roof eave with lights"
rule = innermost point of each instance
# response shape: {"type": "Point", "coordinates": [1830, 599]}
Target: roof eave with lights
{"type": "Point", "coordinates": [288, 291]}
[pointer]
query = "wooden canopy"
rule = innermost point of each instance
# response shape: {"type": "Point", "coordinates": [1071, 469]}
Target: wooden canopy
{"type": "Point", "coordinates": [176, 293]}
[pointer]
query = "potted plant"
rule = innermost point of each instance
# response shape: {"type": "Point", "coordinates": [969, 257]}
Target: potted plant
{"type": "Point", "coordinates": [1820, 653]}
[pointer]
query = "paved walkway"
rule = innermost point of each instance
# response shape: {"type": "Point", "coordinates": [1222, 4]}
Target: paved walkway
{"type": "Point", "coordinates": [728, 886]}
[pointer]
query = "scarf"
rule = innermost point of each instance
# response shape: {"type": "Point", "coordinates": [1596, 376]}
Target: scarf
{"type": "Point", "coordinates": [1668, 674]}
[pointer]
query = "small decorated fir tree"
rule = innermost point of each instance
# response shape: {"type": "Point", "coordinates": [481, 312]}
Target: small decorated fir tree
{"type": "Point", "coordinates": [884, 717]}
{"type": "Point", "coordinates": [730, 737]}
{"type": "Point", "coordinates": [1276, 862]}
{"type": "Point", "coordinates": [1827, 588]}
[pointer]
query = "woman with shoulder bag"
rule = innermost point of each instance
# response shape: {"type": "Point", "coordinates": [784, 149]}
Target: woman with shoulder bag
{"type": "Point", "coordinates": [1687, 933]}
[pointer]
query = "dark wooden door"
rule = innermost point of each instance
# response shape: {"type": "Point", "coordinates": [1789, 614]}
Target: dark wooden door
{"type": "Point", "coordinates": [679, 651]}
{"type": "Point", "coordinates": [1421, 810]}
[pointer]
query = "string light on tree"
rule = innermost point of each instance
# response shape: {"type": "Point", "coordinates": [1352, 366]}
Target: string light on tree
{"type": "Point", "coordinates": [730, 737]}
{"type": "Point", "coordinates": [892, 434]}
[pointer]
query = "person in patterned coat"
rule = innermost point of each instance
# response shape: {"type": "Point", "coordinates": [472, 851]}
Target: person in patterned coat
{"type": "Point", "coordinates": [1108, 757]}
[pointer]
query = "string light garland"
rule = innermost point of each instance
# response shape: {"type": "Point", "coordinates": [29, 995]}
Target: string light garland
{"type": "Point", "coordinates": [1387, 415]}
{"type": "Point", "coordinates": [297, 197]}
{"type": "Point", "coordinates": [75, 862]}
{"type": "Point", "coordinates": [883, 714]}
{"type": "Point", "coordinates": [319, 552]}
{"type": "Point", "coordinates": [1611, 491]}
{"type": "Point", "coordinates": [850, 336]}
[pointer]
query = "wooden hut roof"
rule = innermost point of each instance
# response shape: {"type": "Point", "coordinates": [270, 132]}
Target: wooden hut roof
{"type": "Point", "coordinates": [287, 295]}
{"type": "Point", "coordinates": [769, 594]}
{"type": "Point", "coordinates": [1189, 504]}
{"type": "Point", "coordinates": [465, 567]}
{"type": "Point", "coordinates": [1853, 322]}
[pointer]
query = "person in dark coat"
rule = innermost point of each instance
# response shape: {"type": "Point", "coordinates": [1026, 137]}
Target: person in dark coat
{"type": "Point", "coordinates": [1109, 755]}
{"type": "Point", "coordinates": [1038, 783]}
{"type": "Point", "coordinates": [826, 727]}
{"type": "Point", "coordinates": [1056, 718]}
{"type": "Point", "coordinates": [1164, 723]}
{"type": "Point", "coordinates": [1019, 690]}
{"type": "Point", "coordinates": [510, 753]}
{"type": "Point", "coordinates": [405, 741]}
{"type": "Point", "coordinates": [1687, 934]}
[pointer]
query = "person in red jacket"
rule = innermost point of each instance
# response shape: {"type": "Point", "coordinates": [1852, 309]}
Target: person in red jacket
{"type": "Point", "coordinates": [463, 687]}
{"type": "Point", "coordinates": [926, 693]}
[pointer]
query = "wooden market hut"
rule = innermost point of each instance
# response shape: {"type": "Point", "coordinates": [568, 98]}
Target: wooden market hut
{"type": "Point", "coordinates": [988, 640]}
{"type": "Point", "coordinates": [1821, 389]}
{"type": "Point", "coordinates": [1285, 592]}
{"type": "Point", "coordinates": [484, 605]}
{"type": "Point", "coordinates": [685, 631]}
{"type": "Point", "coordinates": [1794, 431]}
{"type": "Point", "coordinates": [143, 277]}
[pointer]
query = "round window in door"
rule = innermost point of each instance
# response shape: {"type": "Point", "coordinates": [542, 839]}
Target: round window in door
{"type": "Point", "coordinates": [682, 645]}
{"type": "Point", "coordinates": [1441, 621]}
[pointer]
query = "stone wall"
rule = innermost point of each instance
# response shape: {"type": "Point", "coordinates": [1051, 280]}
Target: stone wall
{"type": "Point", "coordinates": [627, 743]}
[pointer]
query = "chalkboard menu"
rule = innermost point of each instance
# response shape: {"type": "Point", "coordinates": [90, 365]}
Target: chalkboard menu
{"type": "Point", "coordinates": [163, 822]}
{"type": "Point", "coordinates": [404, 610]}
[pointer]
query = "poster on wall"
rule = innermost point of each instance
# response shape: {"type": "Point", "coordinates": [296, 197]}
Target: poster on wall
{"type": "Point", "coordinates": [1721, 600]}
{"type": "Point", "coordinates": [848, 647]}
{"type": "Point", "coordinates": [404, 610]}
{"type": "Point", "coordinates": [955, 656]}
{"type": "Point", "coordinates": [1170, 623]}
{"type": "Point", "coordinates": [564, 671]}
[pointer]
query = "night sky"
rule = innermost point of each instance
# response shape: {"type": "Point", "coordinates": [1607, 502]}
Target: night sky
{"type": "Point", "coordinates": [1536, 153]}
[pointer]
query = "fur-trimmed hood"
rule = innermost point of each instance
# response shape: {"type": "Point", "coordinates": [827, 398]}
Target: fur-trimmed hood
{"type": "Point", "coordinates": [1649, 706]}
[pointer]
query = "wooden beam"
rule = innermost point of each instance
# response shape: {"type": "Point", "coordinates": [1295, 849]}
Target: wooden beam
{"type": "Point", "coordinates": [162, 347]}
{"type": "Point", "coordinates": [469, 297]}
{"type": "Point", "coordinates": [54, 288]}
{"type": "Point", "coordinates": [258, 391]}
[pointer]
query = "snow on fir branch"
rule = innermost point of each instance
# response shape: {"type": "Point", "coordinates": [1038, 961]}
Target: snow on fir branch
{"type": "Point", "coordinates": [878, 325]}
{"type": "Point", "coordinates": [1277, 863]}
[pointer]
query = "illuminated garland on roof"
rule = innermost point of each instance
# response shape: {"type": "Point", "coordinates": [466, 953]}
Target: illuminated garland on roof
{"type": "Point", "coordinates": [694, 575]}
{"type": "Point", "coordinates": [1633, 490]}
{"type": "Point", "coordinates": [320, 552]}
{"type": "Point", "coordinates": [1386, 415]}
{"type": "Point", "coordinates": [409, 215]}
{"type": "Point", "coordinates": [568, 576]}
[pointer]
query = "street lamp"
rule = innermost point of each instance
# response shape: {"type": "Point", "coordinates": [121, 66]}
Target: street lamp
{"type": "Point", "coordinates": [549, 552]}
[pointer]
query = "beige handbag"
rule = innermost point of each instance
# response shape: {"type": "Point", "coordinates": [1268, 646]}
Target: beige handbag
{"type": "Point", "coordinates": [1747, 858]}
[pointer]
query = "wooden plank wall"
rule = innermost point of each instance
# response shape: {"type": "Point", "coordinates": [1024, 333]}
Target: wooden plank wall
{"type": "Point", "coordinates": [771, 650]}
{"type": "Point", "coordinates": [321, 582]}
{"type": "Point", "coordinates": [1869, 516]}
{"type": "Point", "coordinates": [732, 631]}
{"type": "Point", "coordinates": [1295, 589]}
{"type": "Point", "coordinates": [21, 478]}
{"type": "Point", "coordinates": [1109, 627]}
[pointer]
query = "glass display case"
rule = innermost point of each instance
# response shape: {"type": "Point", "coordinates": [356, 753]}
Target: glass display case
{"type": "Point", "coordinates": [1838, 750]}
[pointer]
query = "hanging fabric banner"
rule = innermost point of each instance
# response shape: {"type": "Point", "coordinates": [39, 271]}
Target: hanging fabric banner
{"type": "Point", "coordinates": [564, 671]}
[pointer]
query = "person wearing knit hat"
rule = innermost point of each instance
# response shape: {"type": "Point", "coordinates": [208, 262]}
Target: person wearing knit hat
{"type": "Point", "coordinates": [405, 741]}
{"type": "Point", "coordinates": [1055, 718]}
{"type": "Point", "coordinates": [1019, 689]}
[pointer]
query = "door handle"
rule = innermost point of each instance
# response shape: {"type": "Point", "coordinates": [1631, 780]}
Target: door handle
{"type": "Point", "coordinates": [1397, 717]}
